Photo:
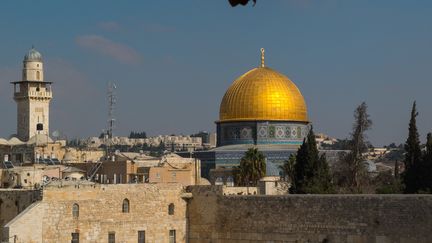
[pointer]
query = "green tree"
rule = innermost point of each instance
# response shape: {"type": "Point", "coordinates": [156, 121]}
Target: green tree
{"type": "Point", "coordinates": [311, 171]}
{"type": "Point", "coordinates": [386, 183]}
{"type": "Point", "coordinates": [288, 168]}
{"type": "Point", "coordinates": [137, 135]}
{"type": "Point", "coordinates": [412, 155]}
{"type": "Point", "coordinates": [426, 166]}
{"type": "Point", "coordinates": [252, 168]}
{"type": "Point", "coordinates": [428, 151]}
{"type": "Point", "coordinates": [352, 172]}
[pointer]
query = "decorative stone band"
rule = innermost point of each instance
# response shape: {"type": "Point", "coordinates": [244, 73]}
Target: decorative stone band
{"type": "Point", "coordinates": [261, 132]}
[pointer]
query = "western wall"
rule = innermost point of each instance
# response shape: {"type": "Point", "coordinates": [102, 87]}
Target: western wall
{"type": "Point", "coordinates": [214, 217]}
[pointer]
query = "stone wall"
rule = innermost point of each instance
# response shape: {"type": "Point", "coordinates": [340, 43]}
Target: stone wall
{"type": "Point", "coordinates": [100, 213]}
{"type": "Point", "coordinates": [214, 217]}
{"type": "Point", "coordinates": [13, 202]}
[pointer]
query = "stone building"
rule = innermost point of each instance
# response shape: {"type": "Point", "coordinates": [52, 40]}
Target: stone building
{"type": "Point", "coordinates": [35, 150]}
{"type": "Point", "coordinates": [103, 213]}
{"type": "Point", "coordinates": [127, 168]}
{"type": "Point", "coordinates": [33, 95]}
{"type": "Point", "coordinates": [12, 203]}
{"type": "Point", "coordinates": [29, 177]}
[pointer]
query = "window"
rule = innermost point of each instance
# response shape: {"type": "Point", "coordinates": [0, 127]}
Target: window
{"type": "Point", "coordinates": [111, 237]}
{"type": "Point", "coordinates": [230, 181]}
{"type": "Point", "coordinates": [219, 181]}
{"type": "Point", "coordinates": [37, 75]}
{"type": "Point", "coordinates": [171, 209]}
{"type": "Point", "coordinates": [75, 210]}
{"type": "Point", "coordinates": [172, 236]}
{"type": "Point", "coordinates": [75, 238]}
{"type": "Point", "coordinates": [125, 206]}
{"type": "Point", "coordinates": [39, 127]}
{"type": "Point", "coordinates": [141, 236]}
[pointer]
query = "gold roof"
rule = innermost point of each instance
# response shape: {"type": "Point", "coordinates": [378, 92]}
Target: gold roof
{"type": "Point", "coordinates": [263, 94]}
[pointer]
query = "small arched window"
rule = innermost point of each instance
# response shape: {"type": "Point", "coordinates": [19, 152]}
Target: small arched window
{"type": "Point", "coordinates": [37, 75]}
{"type": "Point", "coordinates": [125, 206]}
{"type": "Point", "coordinates": [230, 181]}
{"type": "Point", "coordinates": [171, 209]}
{"type": "Point", "coordinates": [75, 210]}
{"type": "Point", "coordinates": [219, 181]}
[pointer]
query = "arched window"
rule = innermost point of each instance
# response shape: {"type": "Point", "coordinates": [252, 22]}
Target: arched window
{"type": "Point", "coordinates": [230, 181]}
{"type": "Point", "coordinates": [171, 209]}
{"type": "Point", "coordinates": [219, 181]}
{"type": "Point", "coordinates": [75, 210]}
{"type": "Point", "coordinates": [37, 75]}
{"type": "Point", "coordinates": [125, 206]}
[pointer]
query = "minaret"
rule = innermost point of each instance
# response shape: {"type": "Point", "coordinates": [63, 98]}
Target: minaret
{"type": "Point", "coordinates": [32, 96]}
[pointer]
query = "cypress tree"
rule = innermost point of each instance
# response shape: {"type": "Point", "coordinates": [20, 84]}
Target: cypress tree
{"type": "Point", "coordinates": [396, 170]}
{"type": "Point", "coordinates": [428, 152]}
{"type": "Point", "coordinates": [426, 166]}
{"type": "Point", "coordinates": [311, 171]}
{"type": "Point", "coordinates": [412, 155]}
{"type": "Point", "coordinates": [300, 168]}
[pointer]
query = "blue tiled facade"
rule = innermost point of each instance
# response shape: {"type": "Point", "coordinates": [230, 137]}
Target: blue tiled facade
{"type": "Point", "coordinates": [261, 132]}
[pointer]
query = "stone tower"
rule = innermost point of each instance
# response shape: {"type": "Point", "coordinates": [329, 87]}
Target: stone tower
{"type": "Point", "coordinates": [32, 95]}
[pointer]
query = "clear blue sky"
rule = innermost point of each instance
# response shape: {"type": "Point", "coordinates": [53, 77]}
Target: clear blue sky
{"type": "Point", "coordinates": [173, 60]}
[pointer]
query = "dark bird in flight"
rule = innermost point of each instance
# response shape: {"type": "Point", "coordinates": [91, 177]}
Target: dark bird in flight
{"type": "Point", "coordinates": [242, 2]}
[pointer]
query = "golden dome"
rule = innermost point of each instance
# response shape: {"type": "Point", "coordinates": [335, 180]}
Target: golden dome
{"type": "Point", "coordinates": [263, 94]}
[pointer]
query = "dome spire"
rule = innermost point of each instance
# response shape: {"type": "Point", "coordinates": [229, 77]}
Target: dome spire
{"type": "Point", "coordinates": [262, 57]}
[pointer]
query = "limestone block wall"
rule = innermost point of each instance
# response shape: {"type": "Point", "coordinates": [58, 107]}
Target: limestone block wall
{"type": "Point", "coordinates": [24, 228]}
{"type": "Point", "coordinates": [214, 217]}
{"type": "Point", "coordinates": [100, 213]}
{"type": "Point", "coordinates": [13, 202]}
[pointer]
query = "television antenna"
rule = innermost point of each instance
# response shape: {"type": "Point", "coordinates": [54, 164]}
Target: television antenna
{"type": "Point", "coordinates": [112, 100]}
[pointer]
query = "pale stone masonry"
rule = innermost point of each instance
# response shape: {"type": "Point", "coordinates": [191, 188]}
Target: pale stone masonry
{"type": "Point", "coordinates": [32, 95]}
{"type": "Point", "coordinates": [214, 217]}
{"type": "Point", "coordinates": [13, 202]}
{"type": "Point", "coordinates": [203, 214]}
{"type": "Point", "coordinates": [101, 213]}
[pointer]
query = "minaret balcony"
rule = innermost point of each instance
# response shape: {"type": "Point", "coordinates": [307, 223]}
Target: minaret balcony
{"type": "Point", "coordinates": [33, 94]}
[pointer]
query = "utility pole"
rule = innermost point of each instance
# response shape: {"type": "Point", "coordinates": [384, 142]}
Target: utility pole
{"type": "Point", "coordinates": [112, 100]}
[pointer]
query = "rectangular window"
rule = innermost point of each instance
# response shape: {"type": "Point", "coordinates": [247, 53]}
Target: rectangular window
{"type": "Point", "coordinates": [141, 236]}
{"type": "Point", "coordinates": [75, 238]}
{"type": "Point", "coordinates": [111, 237]}
{"type": "Point", "coordinates": [172, 236]}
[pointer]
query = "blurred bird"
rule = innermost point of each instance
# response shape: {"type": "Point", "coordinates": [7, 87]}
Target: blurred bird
{"type": "Point", "coordinates": [242, 2]}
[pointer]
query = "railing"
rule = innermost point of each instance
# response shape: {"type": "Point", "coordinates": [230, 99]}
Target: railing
{"type": "Point", "coordinates": [35, 94]}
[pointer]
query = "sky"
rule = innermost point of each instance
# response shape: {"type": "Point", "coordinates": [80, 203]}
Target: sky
{"type": "Point", "coordinates": [172, 61]}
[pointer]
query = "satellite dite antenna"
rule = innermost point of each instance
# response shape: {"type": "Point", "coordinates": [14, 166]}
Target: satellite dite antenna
{"type": "Point", "coordinates": [112, 100]}
{"type": "Point", "coordinates": [56, 135]}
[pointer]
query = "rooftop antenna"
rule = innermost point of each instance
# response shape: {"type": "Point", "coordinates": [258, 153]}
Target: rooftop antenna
{"type": "Point", "coordinates": [112, 100]}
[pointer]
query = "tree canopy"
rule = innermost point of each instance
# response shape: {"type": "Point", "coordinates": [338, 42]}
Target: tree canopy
{"type": "Point", "coordinates": [252, 168]}
{"type": "Point", "coordinates": [311, 171]}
